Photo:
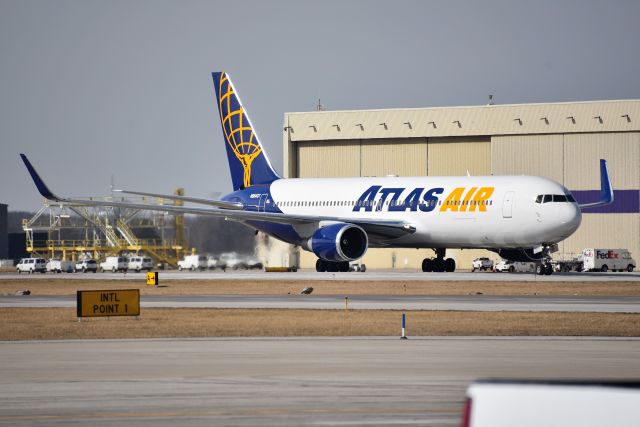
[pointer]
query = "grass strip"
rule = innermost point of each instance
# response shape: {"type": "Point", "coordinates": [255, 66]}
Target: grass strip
{"type": "Point", "coordinates": [61, 323]}
{"type": "Point", "coordinates": [61, 286]}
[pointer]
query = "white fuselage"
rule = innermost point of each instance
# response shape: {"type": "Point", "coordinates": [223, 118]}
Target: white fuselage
{"type": "Point", "coordinates": [451, 212]}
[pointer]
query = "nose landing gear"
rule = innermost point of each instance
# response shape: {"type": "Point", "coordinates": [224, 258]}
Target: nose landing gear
{"type": "Point", "coordinates": [544, 268]}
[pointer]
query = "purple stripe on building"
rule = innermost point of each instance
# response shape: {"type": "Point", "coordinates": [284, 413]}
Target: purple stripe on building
{"type": "Point", "coordinates": [624, 201]}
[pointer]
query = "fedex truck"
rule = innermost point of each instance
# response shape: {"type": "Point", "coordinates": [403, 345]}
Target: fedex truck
{"type": "Point", "coordinates": [607, 259]}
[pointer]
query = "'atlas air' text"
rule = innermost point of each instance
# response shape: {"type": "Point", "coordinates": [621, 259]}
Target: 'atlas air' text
{"type": "Point", "coordinates": [393, 199]}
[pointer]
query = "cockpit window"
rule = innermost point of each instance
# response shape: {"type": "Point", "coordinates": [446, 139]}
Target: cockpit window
{"type": "Point", "coordinates": [557, 198]}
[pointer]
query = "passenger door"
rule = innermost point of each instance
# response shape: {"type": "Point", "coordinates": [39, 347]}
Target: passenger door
{"type": "Point", "coordinates": [507, 204]}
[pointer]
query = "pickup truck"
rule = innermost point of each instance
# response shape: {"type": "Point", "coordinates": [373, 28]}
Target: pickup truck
{"type": "Point", "coordinates": [523, 403]}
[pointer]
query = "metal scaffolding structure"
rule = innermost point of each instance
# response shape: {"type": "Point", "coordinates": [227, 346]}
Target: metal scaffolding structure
{"type": "Point", "coordinates": [76, 232]}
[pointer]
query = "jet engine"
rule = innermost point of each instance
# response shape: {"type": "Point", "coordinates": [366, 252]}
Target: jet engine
{"type": "Point", "coordinates": [339, 242]}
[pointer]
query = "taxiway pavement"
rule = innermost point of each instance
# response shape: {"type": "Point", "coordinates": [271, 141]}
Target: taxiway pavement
{"type": "Point", "coordinates": [602, 304]}
{"type": "Point", "coordinates": [281, 381]}
{"type": "Point", "coordinates": [371, 275]}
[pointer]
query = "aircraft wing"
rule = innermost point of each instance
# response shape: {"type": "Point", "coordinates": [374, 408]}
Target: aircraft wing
{"type": "Point", "coordinates": [378, 229]}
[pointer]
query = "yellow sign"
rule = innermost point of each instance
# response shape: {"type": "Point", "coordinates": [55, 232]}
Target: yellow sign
{"type": "Point", "coordinates": [152, 278]}
{"type": "Point", "coordinates": [108, 303]}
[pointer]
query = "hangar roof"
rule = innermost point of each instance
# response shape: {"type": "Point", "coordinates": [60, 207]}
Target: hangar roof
{"type": "Point", "coordinates": [514, 119]}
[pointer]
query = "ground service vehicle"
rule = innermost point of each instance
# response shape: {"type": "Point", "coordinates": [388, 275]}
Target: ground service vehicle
{"type": "Point", "coordinates": [482, 264]}
{"type": "Point", "coordinates": [519, 217]}
{"type": "Point", "coordinates": [59, 265]}
{"type": "Point", "coordinates": [114, 263]}
{"type": "Point", "coordinates": [138, 263]}
{"type": "Point", "coordinates": [193, 262]}
{"type": "Point", "coordinates": [548, 403]}
{"type": "Point", "coordinates": [31, 265]}
{"type": "Point", "coordinates": [607, 259]}
{"type": "Point", "coordinates": [86, 265]}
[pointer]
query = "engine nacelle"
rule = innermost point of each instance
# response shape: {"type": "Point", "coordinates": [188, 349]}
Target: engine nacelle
{"type": "Point", "coordinates": [339, 242]}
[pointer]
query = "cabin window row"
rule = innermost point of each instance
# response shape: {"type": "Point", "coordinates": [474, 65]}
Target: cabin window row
{"type": "Point", "coordinates": [373, 203]}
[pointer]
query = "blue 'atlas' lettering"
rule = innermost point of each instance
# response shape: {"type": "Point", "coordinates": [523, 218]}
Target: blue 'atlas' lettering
{"type": "Point", "coordinates": [410, 202]}
{"type": "Point", "coordinates": [366, 200]}
{"type": "Point", "coordinates": [385, 193]}
{"type": "Point", "coordinates": [430, 199]}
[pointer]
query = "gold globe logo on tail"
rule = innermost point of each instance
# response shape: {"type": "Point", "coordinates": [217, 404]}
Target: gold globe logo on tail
{"type": "Point", "coordinates": [242, 144]}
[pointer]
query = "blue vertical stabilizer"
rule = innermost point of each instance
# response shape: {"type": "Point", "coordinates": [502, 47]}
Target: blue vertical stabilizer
{"type": "Point", "coordinates": [248, 162]}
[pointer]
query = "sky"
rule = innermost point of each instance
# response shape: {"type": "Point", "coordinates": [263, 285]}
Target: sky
{"type": "Point", "coordinates": [91, 90]}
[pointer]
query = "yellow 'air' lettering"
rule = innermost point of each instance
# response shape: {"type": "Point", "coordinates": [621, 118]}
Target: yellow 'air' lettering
{"type": "Point", "coordinates": [480, 199]}
{"type": "Point", "coordinates": [452, 201]}
{"type": "Point", "coordinates": [467, 199]}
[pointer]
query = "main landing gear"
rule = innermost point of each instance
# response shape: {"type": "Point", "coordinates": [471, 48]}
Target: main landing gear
{"type": "Point", "coordinates": [331, 266]}
{"type": "Point", "coordinates": [439, 263]}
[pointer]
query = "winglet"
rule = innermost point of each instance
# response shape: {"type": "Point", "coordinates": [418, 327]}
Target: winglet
{"type": "Point", "coordinates": [606, 189]}
{"type": "Point", "coordinates": [42, 187]}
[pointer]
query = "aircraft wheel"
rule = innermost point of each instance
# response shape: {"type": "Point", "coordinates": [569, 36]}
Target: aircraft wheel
{"type": "Point", "coordinates": [604, 268]}
{"type": "Point", "coordinates": [548, 269]}
{"type": "Point", "coordinates": [343, 266]}
{"type": "Point", "coordinates": [449, 265]}
{"type": "Point", "coordinates": [539, 269]}
{"type": "Point", "coordinates": [427, 265]}
{"type": "Point", "coordinates": [438, 265]}
{"type": "Point", "coordinates": [320, 266]}
{"type": "Point", "coordinates": [630, 268]}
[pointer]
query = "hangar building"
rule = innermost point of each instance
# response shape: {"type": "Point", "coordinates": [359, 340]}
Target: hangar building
{"type": "Point", "coordinates": [560, 141]}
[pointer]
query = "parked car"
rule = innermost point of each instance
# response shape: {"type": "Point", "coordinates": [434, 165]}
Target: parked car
{"type": "Point", "coordinates": [214, 262]}
{"type": "Point", "coordinates": [232, 260]}
{"type": "Point", "coordinates": [56, 265]}
{"type": "Point", "coordinates": [482, 264]}
{"type": "Point", "coordinates": [114, 263]}
{"type": "Point", "coordinates": [138, 263]}
{"type": "Point", "coordinates": [193, 262]}
{"type": "Point", "coordinates": [31, 265]}
{"type": "Point", "coordinates": [252, 263]}
{"type": "Point", "coordinates": [515, 267]}
{"type": "Point", "coordinates": [86, 265]}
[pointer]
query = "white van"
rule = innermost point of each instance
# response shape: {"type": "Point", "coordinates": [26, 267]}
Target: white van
{"type": "Point", "coordinates": [193, 262]}
{"type": "Point", "coordinates": [57, 265]}
{"type": "Point", "coordinates": [114, 263]}
{"type": "Point", "coordinates": [31, 265]}
{"type": "Point", "coordinates": [138, 263]}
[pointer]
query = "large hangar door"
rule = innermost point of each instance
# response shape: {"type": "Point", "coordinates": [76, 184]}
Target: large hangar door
{"type": "Point", "coordinates": [402, 157]}
{"type": "Point", "coordinates": [457, 155]}
{"type": "Point", "coordinates": [324, 159]}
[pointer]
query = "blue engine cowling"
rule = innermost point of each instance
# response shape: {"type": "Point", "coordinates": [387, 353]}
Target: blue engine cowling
{"type": "Point", "coordinates": [339, 242]}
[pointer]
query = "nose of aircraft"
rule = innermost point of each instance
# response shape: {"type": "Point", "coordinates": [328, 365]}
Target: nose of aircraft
{"type": "Point", "coordinates": [567, 217]}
